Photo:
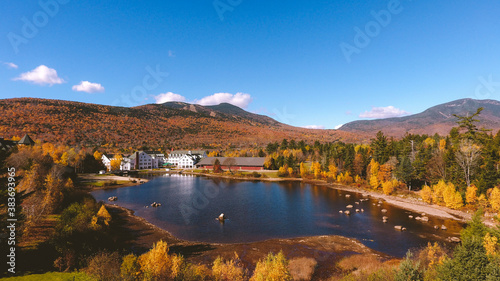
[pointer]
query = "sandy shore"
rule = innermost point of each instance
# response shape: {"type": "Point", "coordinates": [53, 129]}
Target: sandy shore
{"type": "Point", "coordinates": [87, 179]}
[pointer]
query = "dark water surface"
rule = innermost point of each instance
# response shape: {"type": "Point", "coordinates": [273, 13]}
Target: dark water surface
{"type": "Point", "coordinates": [261, 210]}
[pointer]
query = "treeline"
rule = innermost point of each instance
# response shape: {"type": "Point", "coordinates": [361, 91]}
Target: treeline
{"type": "Point", "coordinates": [460, 169]}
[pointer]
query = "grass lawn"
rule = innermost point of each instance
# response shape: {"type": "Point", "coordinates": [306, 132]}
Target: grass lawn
{"type": "Point", "coordinates": [52, 276]}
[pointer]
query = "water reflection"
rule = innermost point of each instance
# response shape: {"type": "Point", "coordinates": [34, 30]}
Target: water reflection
{"type": "Point", "coordinates": [258, 211]}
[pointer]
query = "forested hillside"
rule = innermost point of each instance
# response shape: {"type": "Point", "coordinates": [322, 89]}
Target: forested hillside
{"type": "Point", "coordinates": [156, 125]}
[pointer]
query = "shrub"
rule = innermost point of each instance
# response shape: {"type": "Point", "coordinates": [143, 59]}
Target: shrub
{"type": "Point", "coordinates": [302, 268]}
{"type": "Point", "coordinates": [273, 267]}
{"type": "Point", "coordinates": [228, 270]}
{"type": "Point", "coordinates": [156, 264]}
{"type": "Point", "coordinates": [409, 270]}
{"type": "Point", "coordinates": [426, 194]}
{"type": "Point", "coordinates": [104, 266]}
{"type": "Point", "coordinates": [130, 269]}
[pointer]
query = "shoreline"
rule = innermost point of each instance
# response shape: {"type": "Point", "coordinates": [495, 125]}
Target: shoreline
{"type": "Point", "coordinates": [139, 235]}
{"type": "Point", "coordinates": [409, 204]}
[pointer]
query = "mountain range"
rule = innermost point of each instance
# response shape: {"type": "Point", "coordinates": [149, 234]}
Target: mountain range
{"type": "Point", "coordinates": [168, 125]}
{"type": "Point", "coordinates": [437, 119]}
{"type": "Point", "coordinates": [184, 125]}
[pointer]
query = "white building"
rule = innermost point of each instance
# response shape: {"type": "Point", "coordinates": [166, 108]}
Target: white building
{"type": "Point", "coordinates": [140, 160]}
{"type": "Point", "coordinates": [185, 159]}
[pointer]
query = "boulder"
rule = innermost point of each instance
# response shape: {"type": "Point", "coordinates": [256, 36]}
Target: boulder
{"type": "Point", "coordinates": [398, 227]}
{"type": "Point", "coordinates": [410, 216]}
{"type": "Point", "coordinates": [383, 211]}
{"type": "Point", "coordinates": [385, 218]}
{"type": "Point", "coordinates": [443, 227]}
{"type": "Point", "coordinates": [341, 211]}
{"type": "Point", "coordinates": [347, 212]}
{"type": "Point", "coordinates": [347, 195]}
{"type": "Point", "coordinates": [454, 239]}
{"type": "Point", "coordinates": [425, 219]}
{"type": "Point", "coordinates": [222, 217]}
{"type": "Point", "coordinates": [357, 210]}
{"type": "Point", "coordinates": [349, 206]}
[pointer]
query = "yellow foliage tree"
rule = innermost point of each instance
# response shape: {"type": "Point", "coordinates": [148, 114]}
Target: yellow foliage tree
{"type": "Point", "coordinates": [429, 142]}
{"type": "Point", "coordinates": [389, 186]}
{"type": "Point", "coordinates": [156, 263]}
{"type": "Point", "coordinates": [490, 244]}
{"type": "Point", "coordinates": [437, 196]}
{"type": "Point", "coordinates": [442, 144]}
{"type": "Point", "coordinates": [471, 195]}
{"type": "Point", "coordinates": [332, 171]}
{"type": "Point", "coordinates": [283, 171]}
{"type": "Point", "coordinates": [451, 197]}
{"type": "Point", "coordinates": [426, 194]}
{"type": "Point", "coordinates": [116, 162]}
{"type": "Point", "coordinates": [272, 268]}
{"type": "Point", "coordinates": [290, 171]}
{"type": "Point", "coordinates": [303, 170]}
{"type": "Point", "coordinates": [97, 155]}
{"type": "Point", "coordinates": [228, 270]}
{"type": "Point", "coordinates": [345, 178]}
{"type": "Point", "coordinates": [104, 215]}
{"type": "Point", "coordinates": [373, 173]}
{"type": "Point", "coordinates": [316, 169]}
{"type": "Point", "coordinates": [495, 199]}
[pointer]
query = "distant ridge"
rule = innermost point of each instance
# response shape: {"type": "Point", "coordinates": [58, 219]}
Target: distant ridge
{"type": "Point", "coordinates": [437, 119]}
{"type": "Point", "coordinates": [172, 124]}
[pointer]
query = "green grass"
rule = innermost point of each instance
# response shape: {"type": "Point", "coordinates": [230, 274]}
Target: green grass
{"type": "Point", "coordinates": [52, 276]}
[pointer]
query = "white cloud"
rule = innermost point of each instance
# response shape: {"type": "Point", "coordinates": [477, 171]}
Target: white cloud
{"type": "Point", "coordinates": [88, 87]}
{"type": "Point", "coordinates": [11, 65]}
{"type": "Point", "coordinates": [239, 99]}
{"type": "Point", "coordinates": [383, 112]}
{"type": "Point", "coordinates": [316, 127]}
{"type": "Point", "coordinates": [338, 126]}
{"type": "Point", "coordinates": [42, 75]}
{"type": "Point", "coordinates": [168, 97]}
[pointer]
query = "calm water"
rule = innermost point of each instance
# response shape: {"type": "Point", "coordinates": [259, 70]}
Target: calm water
{"type": "Point", "coordinates": [259, 210]}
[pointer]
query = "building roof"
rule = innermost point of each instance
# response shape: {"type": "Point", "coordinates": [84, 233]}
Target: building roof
{"type": "Point", "coordinates": [6, 145]}
{"type": "Point", "coordinates": [239, 161]}
{"type": "Point", "coordinates": [26, 140]}
{"type": "Point", "coordinates": [187, 152]}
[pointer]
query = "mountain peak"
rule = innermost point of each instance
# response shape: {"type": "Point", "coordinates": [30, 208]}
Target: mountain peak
{"type": "Point", "coordinates": [437, 119]}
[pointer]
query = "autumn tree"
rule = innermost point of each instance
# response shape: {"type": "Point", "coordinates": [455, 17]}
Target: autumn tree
{"type": "Point", "coordinates": [495, 199]}
{"type": "Point", "coordinates": [373, 170]}
{"type": "Point", "coordinates": [216, 166]}
{"type": "Point", "coordinates": [273, 267]}
{"type": "Point", "coordinates": [471, 195]}
{"type": "Point", "coordinates": [467, 157]}
{"type": "Point", "coordinates": [116, 162]}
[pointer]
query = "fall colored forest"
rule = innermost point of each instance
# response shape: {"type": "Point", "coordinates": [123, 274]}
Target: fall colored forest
{"type": "Point", "coordinates": [160, 126]}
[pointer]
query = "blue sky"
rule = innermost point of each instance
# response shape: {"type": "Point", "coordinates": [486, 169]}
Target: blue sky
{"type": "Point", "coordinates": [323, 63]}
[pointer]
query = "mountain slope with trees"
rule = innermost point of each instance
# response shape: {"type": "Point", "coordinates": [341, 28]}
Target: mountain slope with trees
{"type": "Point", "coordinates": [438, 119]}
{"type": "Point", "coordinates": [166, 126]}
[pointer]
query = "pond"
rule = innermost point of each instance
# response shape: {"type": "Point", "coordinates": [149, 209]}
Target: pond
{"type": "Point", "coordinates": [258, 211]}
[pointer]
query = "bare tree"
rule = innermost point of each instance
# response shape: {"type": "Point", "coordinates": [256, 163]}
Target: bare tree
{"type": "Point", "coordinates": [229, 162]}
{"type": "Point", "coordinates": [437, 166]}
{"type": "Point", "coordinates": [467, 157]}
